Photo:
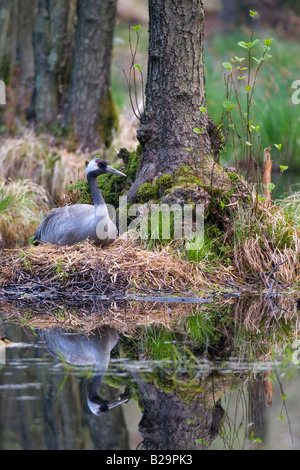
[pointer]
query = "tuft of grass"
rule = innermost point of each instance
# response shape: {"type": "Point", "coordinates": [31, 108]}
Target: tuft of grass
{"type": "Point", "coordinates": [267, 245]}
{"type": "Point", "coordinates": [31, 157]}
{"type": "Point", "coordinates": [20, 205]}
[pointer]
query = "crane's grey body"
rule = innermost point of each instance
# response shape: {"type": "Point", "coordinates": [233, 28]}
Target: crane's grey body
{"type": "Point", "coordinates": [72, 224]}
{"type": "Point", "coordinates": [82, 350]}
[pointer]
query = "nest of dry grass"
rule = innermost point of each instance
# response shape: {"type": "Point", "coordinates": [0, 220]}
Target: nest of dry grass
{"type": "Point", "coordinates": [84, 272]}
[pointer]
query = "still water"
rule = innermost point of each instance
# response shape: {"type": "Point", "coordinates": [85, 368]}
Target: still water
{"type": "Point", "coordinates": [64, 389]}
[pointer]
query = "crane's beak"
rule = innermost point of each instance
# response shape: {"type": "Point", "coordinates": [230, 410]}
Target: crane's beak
{"type": "Point", "coordinates": [116, 403]}
{"type": "Point", "coordinates": [100, 410]}
{"type": "Point", "coordinates": [113, 171]}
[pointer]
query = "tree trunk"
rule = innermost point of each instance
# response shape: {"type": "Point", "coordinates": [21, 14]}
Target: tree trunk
{"type": "Point", "coordinates": [16, 58]}
{"type": "Point", "coordinates": [49, 40]}
{"type": "Point", "coordinates": [90, 113]}
{"type": "Point", "coordinates": [175, 90]}
{"type": "Point", "coordinates": [27, 10]}
{"type": "Point", "coordinates": [171, 422]}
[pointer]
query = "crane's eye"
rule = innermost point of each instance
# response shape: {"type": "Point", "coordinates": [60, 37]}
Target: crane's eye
{"type": "Point", "coordinates": [101, 163]}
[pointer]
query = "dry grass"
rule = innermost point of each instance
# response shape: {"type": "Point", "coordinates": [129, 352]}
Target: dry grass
{"type": "Point", "coordinates": [31, 157]}
{"type": "Point", "coordinates": [125, 317]}
{"type": "Point", "coordinates": [21, 202]}
{"type": "Point", "coordinates": [86, 270]}
{"type": "Point", "coordinates": [78, 285]}
{"type": "Point", "coordinates": [267, 246]}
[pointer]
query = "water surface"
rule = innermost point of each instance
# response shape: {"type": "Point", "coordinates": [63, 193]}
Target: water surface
{"type": "Point", "coordinates": [62, 389]}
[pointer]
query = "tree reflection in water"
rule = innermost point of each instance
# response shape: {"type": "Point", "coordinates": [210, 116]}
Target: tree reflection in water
{"type": "Point", "coordinates": [204, 380]}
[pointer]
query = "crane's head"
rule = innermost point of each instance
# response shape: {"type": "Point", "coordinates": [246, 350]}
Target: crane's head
{"type": "Point", "coordinates": [97, 167]}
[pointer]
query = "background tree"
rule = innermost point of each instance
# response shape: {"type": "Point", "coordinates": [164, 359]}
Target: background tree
{"type": "Point", "coordinates": [55, 58]}
{"type": "Point", "coordinates": [16, 58]}
{"type": "Point", "coordinates": [90, 112]}
{"type": "Point", "coordinates": [49, 40]}
{"type": "Point", "coordinates": [175, 90]}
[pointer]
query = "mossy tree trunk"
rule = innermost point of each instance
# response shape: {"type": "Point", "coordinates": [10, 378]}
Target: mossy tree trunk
{"type": "Point", "coordinates": [175, 90]}
{"type": "Point", "coordinates": [90, 114]}
{"type": "Point", "coordinates": [171, 422]}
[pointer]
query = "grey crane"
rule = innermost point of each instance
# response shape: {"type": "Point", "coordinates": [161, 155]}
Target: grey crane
{"type": "Point", "coordinates": [72, 224]}
{"type": "Point", "coordinates": [83, 350]}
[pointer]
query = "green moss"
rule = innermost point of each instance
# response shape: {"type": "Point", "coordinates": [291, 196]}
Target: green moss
{"type": "Point", "coordinates": [131, 161]}
{"type": "Point", "coordinates": [112, 187]}
{"type": "Point", "coordinates": [233, 176]}
{"type": "Point", "coordinates": [5, 69]}
{"type": "Point", "coordinates": [165, 181]}
{"type": "Point", "coordinates": [147, 192]}
{"type": "Point", "coordinates": [208, 175]}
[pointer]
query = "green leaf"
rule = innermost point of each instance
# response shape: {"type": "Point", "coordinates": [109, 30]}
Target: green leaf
{"type": "Point", "coordinates": [228, 105]}
{"type": "Point", "coordinates": [271, 186]}
{"type": "Point", "coordinates": [136, 28]}
{"type": "Point", "coordinates": [253, 13]}
{"type": "Point", "coordinates": [248, 88]}
{"type": "Point", "coordinates": [259, 61]}
{"type": "Point", "coordinates": [241, 78]}
{"type": "Point", "coordinates": [239, 59]}
{"type": "Point", "coordinates": [252, 44]}
{"type": "Point", "coordinates": [242, 44]}
{"type": "Point", "coordinates": [283, 168]}
{"type": "Point", "coordinates": [248, 45]}
{"type": "Point", "coordinates": [138, 67]}
{"type": "Point", "coordinates": [267, 56]}
{"type": "Point", "coordinates": [198, 131]}
{"type": "Point", "coordinates": [248, 143]}
{"type": "Point", "coordinates": [278, 146]}
{"type": "Point", "coordinates": [203, 110]}
{"type": "Point", "coordinates": [227, 65]}
{"type": "Point", "coordinates": [201, 441]}
{"type": "Point", "coordinates": [268, 42]}
{"type": "Point", "coordinates": [284, 396]}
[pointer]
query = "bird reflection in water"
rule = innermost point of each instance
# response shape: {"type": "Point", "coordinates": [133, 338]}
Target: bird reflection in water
{"type": "Point", "coordinates": [81, 350]}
